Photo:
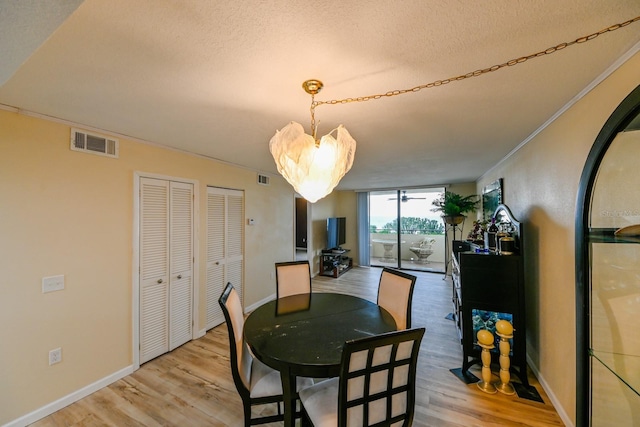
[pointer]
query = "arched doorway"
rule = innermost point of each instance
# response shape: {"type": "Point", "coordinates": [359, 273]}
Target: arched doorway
{"type": "Point", "coordinates": [608, 274]}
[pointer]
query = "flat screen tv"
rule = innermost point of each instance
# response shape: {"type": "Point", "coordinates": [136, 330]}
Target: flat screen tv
{"type": "Point", "coordinates": [336, 234]}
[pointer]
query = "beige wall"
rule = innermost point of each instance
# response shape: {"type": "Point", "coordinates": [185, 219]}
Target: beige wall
{"type": "Point", "coordinates": [540, 186]}
{"type": "Point", "coordinates": [347, 206]}
{"type": "Point", "coordinates": [71, 213]}
{"type": "Point", "coordinates": [338, 203]}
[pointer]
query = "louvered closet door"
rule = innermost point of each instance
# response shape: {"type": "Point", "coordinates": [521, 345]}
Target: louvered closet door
{"type": "Point", "coordinates": [154, 268]}
{"type": "Point", "coordinates": [225, 247]}
{"type": "Point", "coordinates": [235, 240]}
{"type": "Point", "coordinates": [181, 261]}
{"type": "Point", "coordinates": [216, 212]}
{"type": "Point", "coordinates": [166, 266]}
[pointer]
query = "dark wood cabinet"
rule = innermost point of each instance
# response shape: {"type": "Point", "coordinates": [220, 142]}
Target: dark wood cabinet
{"type": "Point", "coordinates": [488, 286]}
{"type": "Point", "coordinates": [335, 264]}
{"type": "Point", "coordinates": [301, 223]}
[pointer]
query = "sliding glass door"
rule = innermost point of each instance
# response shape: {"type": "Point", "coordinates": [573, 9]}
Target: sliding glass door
{"type": "Point", "coordinates": [404, 232]}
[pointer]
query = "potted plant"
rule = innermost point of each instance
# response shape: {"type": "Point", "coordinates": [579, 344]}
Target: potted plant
{"type": "Point", "coordinates": [453, 206]}
{"type": "Point", "coordinates": [476, 235]}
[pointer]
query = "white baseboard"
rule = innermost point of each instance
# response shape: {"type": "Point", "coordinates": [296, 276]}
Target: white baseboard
{"type": "Point", "coordinates": [69, 399]}
{"type": "Point", "coordinates": [556, 403]}
{"type": "Point", "coordinates": [252, 307]}
{"type": "Point", "coordinates": [52, 407]}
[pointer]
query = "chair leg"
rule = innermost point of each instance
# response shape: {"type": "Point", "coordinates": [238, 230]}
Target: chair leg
{"type": "Point", "coordinates": [305, 421]}
{"type": "Point", "coordinates": [247, 415]}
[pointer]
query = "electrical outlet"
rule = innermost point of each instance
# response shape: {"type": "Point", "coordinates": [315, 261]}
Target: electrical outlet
{"type": "Point", "coordinates": [55, 356]}
{"type": "Point", "coordinates": [52, 283]}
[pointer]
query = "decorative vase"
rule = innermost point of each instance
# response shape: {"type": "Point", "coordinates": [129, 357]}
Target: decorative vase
{"type": "Point", "coordinates": [453, 219]}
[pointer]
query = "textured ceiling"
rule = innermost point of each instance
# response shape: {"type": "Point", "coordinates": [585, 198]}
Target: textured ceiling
{"type": "Point", "coordinates": [218, 78]}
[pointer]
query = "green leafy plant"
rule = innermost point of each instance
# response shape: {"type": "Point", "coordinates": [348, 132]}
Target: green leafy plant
{"type": "Point", "coordinates": [453, 204]}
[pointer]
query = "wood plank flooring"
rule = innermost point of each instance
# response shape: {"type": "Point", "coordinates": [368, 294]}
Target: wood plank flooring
{"type": "Point", "coordinates": [192, 385]}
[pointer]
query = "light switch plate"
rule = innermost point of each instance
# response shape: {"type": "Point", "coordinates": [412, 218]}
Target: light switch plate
{"type": "Point", "coordinates": [55, 356]}
{"type": "Point", "coordinates": [52, 283]}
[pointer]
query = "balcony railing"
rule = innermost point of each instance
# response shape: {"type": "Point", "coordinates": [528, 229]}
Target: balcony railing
{"type": "Point", "coordinates": [410, 239]}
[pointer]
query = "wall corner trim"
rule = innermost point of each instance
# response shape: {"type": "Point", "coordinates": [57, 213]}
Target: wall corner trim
{"type": "Point", "coordinates": [606, 73]}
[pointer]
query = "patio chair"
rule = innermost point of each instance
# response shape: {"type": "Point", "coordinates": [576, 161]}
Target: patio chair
{"type": "Point", "coordinates": [423, 250]}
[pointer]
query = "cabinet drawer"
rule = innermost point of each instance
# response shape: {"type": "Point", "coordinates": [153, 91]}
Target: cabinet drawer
{"type": "Point", "coordinates": [491, 278]}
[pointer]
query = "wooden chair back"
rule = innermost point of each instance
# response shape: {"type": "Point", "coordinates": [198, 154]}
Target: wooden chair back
{"type": "Point", "coordinates": [378, 379]}
{"type": "Point", "coordinates": [293, 278]}
{"type": "Point", "coordinates": [395, 293]}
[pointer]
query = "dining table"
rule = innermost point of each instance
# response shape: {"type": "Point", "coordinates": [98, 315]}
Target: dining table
{"type": "Point", "coordinates": [303, 336]}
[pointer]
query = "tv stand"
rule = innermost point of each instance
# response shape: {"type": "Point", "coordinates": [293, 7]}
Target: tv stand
{"type": "Point", "coordinates": [334, 262]}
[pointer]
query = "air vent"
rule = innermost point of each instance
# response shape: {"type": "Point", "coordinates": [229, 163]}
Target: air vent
{"type": "Point", "coordinates": [263, 179]}
{"type": "Point", "coordinates": [94, 143]}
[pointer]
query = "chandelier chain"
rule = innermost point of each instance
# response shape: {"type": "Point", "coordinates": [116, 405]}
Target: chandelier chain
{"type": "Point", "coordinates": [475, 73]}
{"type": "Point", "coordinates": [314, 127]}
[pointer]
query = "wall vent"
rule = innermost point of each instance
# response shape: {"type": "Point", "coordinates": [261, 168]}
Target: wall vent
{"type": "Point", "coordinates": [94, 143]}
{"type": "Point", "coordinates": [263, 179]}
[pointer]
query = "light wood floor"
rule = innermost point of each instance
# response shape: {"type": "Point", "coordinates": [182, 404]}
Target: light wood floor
{"type": "Point", "coordinates": [192, 385]}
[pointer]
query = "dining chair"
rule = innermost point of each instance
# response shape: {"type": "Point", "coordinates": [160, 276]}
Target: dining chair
{"type": "Point", "coordinates": [376, 385]}
{"type": "Point", "coordinates": [293, 278]}
{"type": "Point", "coordinates": [256, 383]}
{"type": "Point", "coordinates": [395, 293]}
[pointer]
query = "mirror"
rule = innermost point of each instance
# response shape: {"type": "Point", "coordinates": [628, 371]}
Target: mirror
{"type": "Point", "coordinates": [491, 198]}
{"type": "Point", "coordinates": [508, 223]}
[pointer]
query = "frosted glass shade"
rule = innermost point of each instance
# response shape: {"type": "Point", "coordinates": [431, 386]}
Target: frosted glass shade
{"type": "Point", "coordinates": [313, 170]}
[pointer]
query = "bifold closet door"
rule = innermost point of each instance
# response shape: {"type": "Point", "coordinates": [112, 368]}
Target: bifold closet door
{"type": "Point", "coordinates": [166, 266]}
{"type": "Point", "coordinates": [225, 247]}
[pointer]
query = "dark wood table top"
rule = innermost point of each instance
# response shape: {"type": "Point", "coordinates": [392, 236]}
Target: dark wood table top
{"type": "Point", "coordinates": [304, 334]}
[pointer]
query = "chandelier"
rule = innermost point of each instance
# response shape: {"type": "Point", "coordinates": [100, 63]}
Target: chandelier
{"type": "Point", "coordinates": [315, 167]}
